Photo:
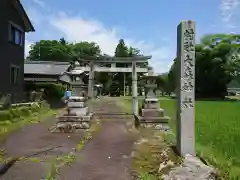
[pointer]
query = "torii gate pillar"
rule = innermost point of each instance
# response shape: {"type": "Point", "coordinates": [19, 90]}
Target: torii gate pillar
{"type": "Point", "coordinates": [134, 89]}
{"type": "Point", "coordinates": [91, 80]}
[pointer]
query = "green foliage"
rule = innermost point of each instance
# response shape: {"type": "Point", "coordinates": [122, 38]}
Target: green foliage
{"type": "Point", "coordinates": [217, 133]}
{"type": "Point", "coordinates": [121, 49]}
{"type": "Point", "coordinates": [216, 62]}
{"type": "Point", "coordinates": [17, 117]}
{"type": "Point", "coordinates": [133, 51]}
{"type": "Point", "coordinates": [49, 50]}
{"type": "Point", "coordinates": [15, 113]}
{"type": "Point", "coordinates": [55, 90]}
{"type": "Point", "coordinates": [82, 49]}
{"type": "Point", "coordinates": [53, 50]}
{"type": "Point", "coordinates": [114, 89]}
{"type": "Point", "coordinates": [148, 177]}
{"type": "Point", "coordinates": [62, 41]}
{"type": "Point", "coordinates": [18, 112]}
{"type": "Point", "coordinates": [163, 83]}
{"type": "Point", "coordinates": [109, 80]}
{"type": "Point", "coordinates": [51, 90]}
{"type": "Point", "coordinates": [68, 159]}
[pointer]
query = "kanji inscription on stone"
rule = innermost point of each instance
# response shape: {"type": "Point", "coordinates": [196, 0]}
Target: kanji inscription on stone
{"type": "Point", "coordinates": [189, 40]}
{"type": "Point", "coordinates": [186, 88]}
{"type": "Point", "coordinates": [187, 103]}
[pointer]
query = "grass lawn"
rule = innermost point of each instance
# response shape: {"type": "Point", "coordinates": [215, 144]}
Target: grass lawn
{"type": "Point", "coordinates": [16, 118]}
{"type": "Point", "coordinates": [217, 133]}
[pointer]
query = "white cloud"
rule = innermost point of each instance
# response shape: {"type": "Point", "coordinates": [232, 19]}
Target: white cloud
{"type": "Point", "coordinates": [27, 47]}
{"type": "Point", "coordinates": [228, 9]}
{"type": "Point", "coordinates": [79, 29]}
{"type": "Point", "coordinates": [40, 3]}
{"type": "Point", "coordinates": [76, 28]}
{"type": "Point", "coordinates": [35, 16]}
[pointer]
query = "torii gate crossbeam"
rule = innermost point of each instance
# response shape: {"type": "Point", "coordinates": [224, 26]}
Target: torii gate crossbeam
{"type": "Point", "coordinates": [92, 67]}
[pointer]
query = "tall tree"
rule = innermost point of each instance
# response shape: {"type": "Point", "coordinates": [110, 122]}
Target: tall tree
{"type": "Point", "coordinates": [86, 48]}
{"type": "Point", "coordinates": [163, 83]}
{"type": "Point", "coordinates": [63, 41]}
{"type": "Point", "coordinates": [52, 50]}
{"type": "Point", "coordinates": [48, 50]}
{"type": "Point", "coordinates": [214, 63]}
{"type": "Point", "coordinates": [133, 51]}
{"type": "Point", "coordinates": [121, 49]}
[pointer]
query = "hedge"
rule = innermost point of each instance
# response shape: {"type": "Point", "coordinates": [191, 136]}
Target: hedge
{"type": "Point", "coordinates": [51, 90]}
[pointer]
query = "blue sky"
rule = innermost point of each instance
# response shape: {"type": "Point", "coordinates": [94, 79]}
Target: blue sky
{"type": "Point", "coordinates": [148, 25]}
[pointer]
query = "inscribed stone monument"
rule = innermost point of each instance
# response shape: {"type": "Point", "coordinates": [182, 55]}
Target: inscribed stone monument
{"type": "Point", "coordinates": [186, 88]}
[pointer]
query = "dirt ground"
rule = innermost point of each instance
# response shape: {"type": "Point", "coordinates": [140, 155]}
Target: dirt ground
{"type": "Point", "coordinates": [105, 157]}
{"type": "Point", "coordinates": [35, 138]}
{"type": "Point", "coordinates": [108, 155]}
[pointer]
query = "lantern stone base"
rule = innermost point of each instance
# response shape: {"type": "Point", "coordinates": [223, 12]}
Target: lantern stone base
{"type": "Point", "coordinates": [152, 115]}
{"type": "Point", "coordinates": [153, 112]}
{"type": "Point", "coordinates": [151, 103]}
{"type": "Point", "coordinates": [77, 116]}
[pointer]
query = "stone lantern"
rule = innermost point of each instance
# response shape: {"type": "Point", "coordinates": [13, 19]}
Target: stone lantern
{"type": "Point", "coordinates": [79, 88]}
{"type": "Point", "coordinates": [150, 99]}
{"type": "Point", "coordinates": [151, 113]}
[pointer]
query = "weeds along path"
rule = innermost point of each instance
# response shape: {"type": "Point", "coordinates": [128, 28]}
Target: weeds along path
{"type": "Point", "coordinates": [36, 138]}
{"type": "Point", "coordinates": [108, 155]}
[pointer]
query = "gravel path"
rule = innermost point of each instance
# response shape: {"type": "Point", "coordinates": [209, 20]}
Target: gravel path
{"type": "Point", "coordinates": [107, 155]}
{"type": "Point", "coordinates": [34, 138]}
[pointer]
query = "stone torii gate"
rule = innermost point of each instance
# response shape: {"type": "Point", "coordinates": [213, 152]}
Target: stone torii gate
{"type": "Point", "coordinates": [98, 64]}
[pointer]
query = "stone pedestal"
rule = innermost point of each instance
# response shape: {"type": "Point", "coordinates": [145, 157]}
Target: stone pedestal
{"type": "Point", "coordinates": [77, 115]}
{"type": "Point", "coordinates": [76, 104]}
{"type": "Point", "coordinates": [151, 103]}
{"type": "Point", "coordinates": [151, 113]}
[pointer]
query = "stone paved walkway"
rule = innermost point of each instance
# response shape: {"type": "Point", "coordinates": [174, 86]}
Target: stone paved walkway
{"type": "Point", "coordinates": [105, 157]}
{"type": "Point", "coordinates": [34, 138]}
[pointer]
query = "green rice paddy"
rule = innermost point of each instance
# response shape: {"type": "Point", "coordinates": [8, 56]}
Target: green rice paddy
{"type": "Point", "coordinates": [217, 133]}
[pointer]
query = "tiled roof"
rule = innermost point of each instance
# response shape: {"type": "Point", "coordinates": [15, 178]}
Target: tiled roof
{"type": "Point", "coordinates": [45, 67]}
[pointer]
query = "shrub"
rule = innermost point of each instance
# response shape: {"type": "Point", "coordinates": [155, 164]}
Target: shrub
{"type": "Point", "coordinates": [15, 113]}
{"type": "Point", "coordinates": [54, 91]}
{"type": "Point", "coordinates": [51, 90]}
